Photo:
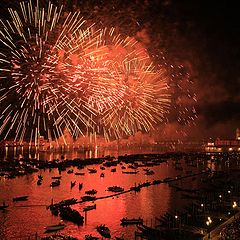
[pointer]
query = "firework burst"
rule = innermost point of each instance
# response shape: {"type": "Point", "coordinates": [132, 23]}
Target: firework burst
{"type": "Point", "coordinates": [37, 98]}
{"type": "Point", "coordinates": [57, 72]}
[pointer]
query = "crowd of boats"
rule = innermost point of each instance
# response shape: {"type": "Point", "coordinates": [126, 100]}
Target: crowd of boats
{"type": "Point", "coordinates": [167, 223]}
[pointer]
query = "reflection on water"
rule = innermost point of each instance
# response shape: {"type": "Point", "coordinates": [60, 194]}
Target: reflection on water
{"type": "Point", "coordinates": [24, 219]}
{"type": "Point", "coordinates": [68, 153]}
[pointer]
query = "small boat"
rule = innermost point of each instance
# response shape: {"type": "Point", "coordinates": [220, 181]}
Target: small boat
{"type": "Point", "coordinates": [4, 206]}
{"type": "Point", "coordinates": [126, 221]}
{"type": "Point", "coordinates": [73, 184]}
{"type": "Point", "coordinates": [91, 192]}
{"type": "Point", "coordinates": [71, 215]}
{"type": "Point", "coordinates": [88, 198]}
{"type": "Point", "coordinates": [149, 172]}
{"type": "Point", "coordinates": [115, 189]}
{"type": "Point", "coordinates": [90, 237]}
{"type": "Point", "coordinates": [104, 231]}
{"type": "Point", "coordinates": [80, 167]}
{"type": "Point", "coordinates": [79, 173]}
{"type": "Point", "coordinates": [92, 170]}
{"type": "Point", "coordinates": [70, 171]}
{"type": "Point", "coordinates": [57, 177]}
{"type": "Point", "coordinates": [130, 172]}
{"type": "Point", "coordinates": [102, 174]}
{"type": "Point", "coordinates": [80, 185]}
{"type": "Point", "coordinates": [54, 228]}
{"type": "Point", "coordinates": [55, 183]}
{"type": "Point", "coordinates": [40, 177]}
{"type": "Point", "coordinates": [39, 182]}
{"type": "Point", "coordinates": [132, 166]}
{"type": "Point", "coordinates": [158, 181]}
{"type": "Point", "coordinates": [90, 207]}
{"type": "Point", "coordinates": [22, 198]}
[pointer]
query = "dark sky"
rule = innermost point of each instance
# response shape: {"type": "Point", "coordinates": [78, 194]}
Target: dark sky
{"type": "Point", "coordinates": [210, 32]}
{"type": "Point", "coordinates": [202, 36]}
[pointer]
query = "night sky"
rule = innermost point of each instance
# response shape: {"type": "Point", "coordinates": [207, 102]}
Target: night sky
{"type": "Point", "coordinates": [202, 36]}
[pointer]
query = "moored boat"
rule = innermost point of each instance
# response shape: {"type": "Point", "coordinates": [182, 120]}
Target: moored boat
{"type": "Point", "coordinates": [104, 231]}
{"type": "Point", "coordinates": [72, 215]}
{"type": "Point", "coordinates": [92, 170]}
{"type": "Point", "coordinates": [90, 237]}
{"type": "Point", "coordinates": [130, 172]}
{"type": "Point", "coordinates": [73, 184]}
{"type": "Point", "coordinates": [4, 206]}
{"type": "Point", "coordinates": [56, 177]}
{"type": "Point", "coordinates": [115, 189]}
{"type": "Point", "coordinates": [88, 198]}
{"type": "Point", "coordinates": [91, 192]}
{"type": "Point", "coordinates": [79, 173]}
{"type": "Point", "coordinates": [80, 185]}
{"type": "Point", "coordinates": [126, 221]}
{"type": "Point", "coordinates": [88, 208]}
{"type": "Point", "coordinates": [53, 228]}
{"type": "Point", "coordinates": [39, 182]}
{"type": "Point", "coordinates": [55, 183]}
{"type": "Point", "coordinates": [22, 198]}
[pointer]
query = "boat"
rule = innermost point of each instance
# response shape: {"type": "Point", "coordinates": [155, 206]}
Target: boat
{"type": "Point", "coordinates": [104, 231]}
{"type": "Point", "coordinates": [132, 166]}
{"type": "Point", "coordinates": [22, 198]}
{"type": "Point", "coordinates": [115, 189]}
{"type": "Point", "coordinates": [80, 167]}
{"type": "Point", "coordinates": [72, 215]}
{"type": "Point", "coordinates": [80, 185]}
{"type": "Point", "coordinates": [88, 198]}
{"type": "Point", "coordinates": [92, 170]}
{"type": "Point", "coordinates": [90, 207]}
{"type": "Point", "coordinates": [130, 172]}
{"type": "Point", "coordinates": [126, 221]}
{"type": "Point", "coordinates": [90, 237]}
{"type": "Point", "coordinates": [158, 181]}
{"type": "Point", "coordinates": [70, 171]}
{"type": "Point", "coordinates": [102, 174]}
{"type": "Point", "coordinates": [91, 192]}
{"type": "Point", "coordinates": [73, 184]}
{"type": "Point", "coordinates": [79, 173]}
{"type": "Point", "coordinates": [4, 206]}
{"type": "Point", "coordinates": [53, 228]}
{"type": "Point", "coordinates": [55, 183]}
{"type": "Point", "coordinates": [40, 177]}
{"type": "Point", "coordinates": [57, 177]}
{"type": "Point", "coordinates": [149, 172]}
{"type": "Point", "coordinates": [67, 201]}
{"type": "Point", "coordinates": [39, 182]}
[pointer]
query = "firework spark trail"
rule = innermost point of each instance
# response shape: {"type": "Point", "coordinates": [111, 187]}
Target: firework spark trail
{"type": "Point", "coordinates": [122, 84]}
{"type": "Point", "coordinates": [61, 74]}
{"type": "Point", "coordinates": [39, 96]}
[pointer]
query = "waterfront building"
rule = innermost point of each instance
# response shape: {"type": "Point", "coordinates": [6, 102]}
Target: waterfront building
{"type": "Point", "coordinates": [224, 145]}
